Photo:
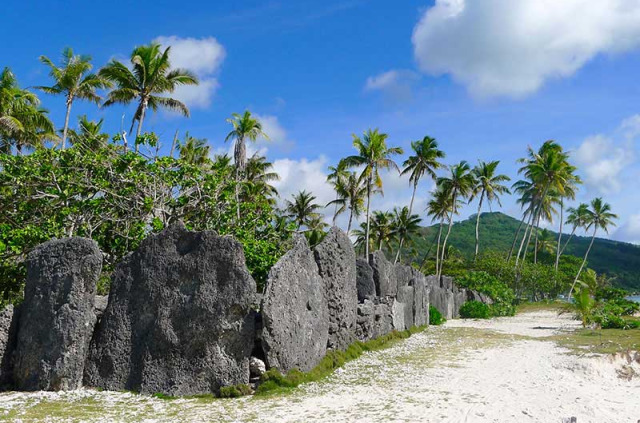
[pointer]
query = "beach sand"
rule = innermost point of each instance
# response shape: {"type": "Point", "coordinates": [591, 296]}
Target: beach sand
{"type": "Point", "coordinates": [498, 370]}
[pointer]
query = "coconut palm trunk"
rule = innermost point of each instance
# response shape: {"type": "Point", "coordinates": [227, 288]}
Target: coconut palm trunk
{"type": "Point", "coordinates": [527, 230]}
{"type": "Point", "coordinates": [350, 220]}
{"type": "Point", "coordinates": [65, 130]}
{"type": "Point", "coordinates": [559, 235]}
{"type": "Point", "coordinates": [515, 238]}
{"type": "Point", "coordinates": [438, 249]}
{"type": "Point", "coordinates": [413, 196]}
{"type": "Point", "coordinates": [446, 238]}
{"type": "Point", "coordinates": [475, 257]}
{"type": "Point", "coordinates": [573, 232]}
{"type": "Point", "coordinates": [366, 247]}
{"type": "Point", "coordinates": [584, 261]}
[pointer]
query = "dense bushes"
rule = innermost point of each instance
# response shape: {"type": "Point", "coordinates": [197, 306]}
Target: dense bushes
{"type": "Point", "coordinates": [475, 310]}
{"type": "Point", "coordinates": [117, 198]}
{"type": "Point", "coordinates": [502, 296]}
{"type": "Point", "coordinates": [435, 317]}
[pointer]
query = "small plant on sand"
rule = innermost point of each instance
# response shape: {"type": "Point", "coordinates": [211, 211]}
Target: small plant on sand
{"type": "Point", "coordinates": [475, 310]}
{"type": "Point", "coordinates": [235, 391]}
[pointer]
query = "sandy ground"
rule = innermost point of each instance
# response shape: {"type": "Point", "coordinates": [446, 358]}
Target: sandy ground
{"type": "Point", "coordinates": [465, 371]}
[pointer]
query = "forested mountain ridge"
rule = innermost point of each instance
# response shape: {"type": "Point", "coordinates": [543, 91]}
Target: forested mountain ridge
{"type": "Point", "coordinates": [617, 259]}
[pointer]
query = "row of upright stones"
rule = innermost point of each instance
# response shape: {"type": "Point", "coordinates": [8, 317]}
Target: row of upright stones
{"type": "Point", "coordinates": [182, 311]}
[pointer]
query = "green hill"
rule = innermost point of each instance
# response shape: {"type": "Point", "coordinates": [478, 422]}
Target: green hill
{"type": "Point", "coordinates": [617, 259]}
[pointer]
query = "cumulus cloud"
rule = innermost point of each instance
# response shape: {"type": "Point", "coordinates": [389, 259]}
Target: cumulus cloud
{"type": "Point", "coordinates": [278, 136]}
{"type": "Point", "coordinates": [395, 84]}
{"type": "Point", "coordinates": [511, 48]}
{"type": "Point", "coordinates": [630, 230]}
{"type": "Point", "coordinates": [603, 159]}
{"type": "Point", "coordinates": [303, 174]}
{"type": "Point", "coordinates": [202, 56]}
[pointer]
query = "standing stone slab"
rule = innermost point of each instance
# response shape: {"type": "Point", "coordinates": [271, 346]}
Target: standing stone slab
{"type": "Point", "coordinates": [365, 321]}
{"type": "Point", "coordinates": [336, 262]}
{"type": "Point", "coordinates": [364, 280]}
{"type": "Point", "coordinates": [295, 312]}
{"type": "Point", "coordinates": [460, 297]}
{"type": "Point", "coordinates": [406, 298]}
{"type": "Point", "coordinates": [420, 301]}
{"type": "Point", "coordinates": [8, 338]}
{"type": "Point", "coordinates": [384, 275]}
{"type": "Point", "coordinates": [384, 317]}
{"type": "Point", "coordinates": [57, 315]}
{"type": "Point", "coordinates": [398, 315]}
{"type": "Point", "coordinates": [179, 318]}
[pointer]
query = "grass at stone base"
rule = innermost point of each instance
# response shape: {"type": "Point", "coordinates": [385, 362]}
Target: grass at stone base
{"type": "Point", "coordinates": [274, 382]}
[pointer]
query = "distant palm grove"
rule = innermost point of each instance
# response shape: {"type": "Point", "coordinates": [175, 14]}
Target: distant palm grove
{"type": "Point", "coordinates": [76, 180]}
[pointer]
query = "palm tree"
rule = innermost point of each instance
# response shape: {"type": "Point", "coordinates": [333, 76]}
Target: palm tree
{"type": "Point", "coordinates": [351, 192]}
{"type": "Point", "coordinates": [336, 178]}
{"type": "Point", "coordinates": [89, 134]}
{"type": "Point", "coordinates": [570, 189]}
{"type": "Point", "coordinates": [381, 227]}
{"type": "Point", "coordinates": [302, 209]}
{"type": "Point", "coordinates": [577, 217]}
{"type": "Point", "coordinates": [73, 80]}
{"type": "Point", "coordinates": [439, 208]}
{"type": "Point", "coordinates": [194, 151]}
{"type": "Point", "coordinates": [259, 174]}
{"type": "Point", "coordinates": [373, 155]}
{"type": "Point", "coordinates": [150, 76]}
{"type": "Point", "coordinates": [405, 226]}
{"type": "Point", "coordinates": [598, 217]}
{"type": "Point", "coordinates": [487, 185]}
{"type": "Point", "coordinates": [22, 121]}
{"type": "Point", "coordinates": [458, 185]}
{"type": "Point", "coordinates": [546, 243]}
{"type": "Point", "coordinates": [425, 160]}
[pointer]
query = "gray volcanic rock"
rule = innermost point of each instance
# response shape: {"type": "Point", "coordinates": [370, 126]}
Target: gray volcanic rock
{"type": "Point", "coordinates": [460, 297]}
{"type": "Point", "coordinates": [57, 315]}
{"type": "Point", "coordinates": [8, 338]}
{"type": "Point", "coordinates": [446, 282]}
{"type": "Point", "coordinates": [384, 317]}
{"type": "Point", "coordinates": [365, 320]}
{"type": "Point", "coordinates": [405, 297]}
{"type": "Point", "coordinates": [179, 318]}
{"type": "Point", "coordinates": [295, 313]}
{"type": "Point", "coordinates": [100, 305]}
{"type": "Point", "coordinates": [364, 280]}
{"type": "Point", "coordinates": [384, 275]}
{"type": "Point", "coordinates": [397, 315]}
{"type": "Point", "coordinates": [420, 301]}
{"type": "Point", "coordinates": [336, 262]}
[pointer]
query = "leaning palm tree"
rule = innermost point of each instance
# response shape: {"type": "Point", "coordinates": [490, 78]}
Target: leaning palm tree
{"type": "Point", "coordinates": [577, 217]}
{"type": "Point", "coordinates": [599, 217]}
{"type": "Point", "coordinates": [302, 210]}
{"type": "Point", "coordinates": [336, 178]}
{"type": "Point", "coordinates": [439, 208]}
{"type": "Point", "coordinates": [194, 151]}
{"type": "Point", "coordinates": [149, 77]}
{"type": "Point", "coordinates": [74, 80]}
{"type": "Point", "coordinates": [405, 226]}
{"type": "Point", "coordinates": [351, 193]}
{"type": "Point", "coordinates": [458, 184]}
{"type": "Point", "coordinates": [570, 188]}
{"type": "Point", "coordinates": [487, 185]}
{"type": "Point", "coordinates": [373, 155]}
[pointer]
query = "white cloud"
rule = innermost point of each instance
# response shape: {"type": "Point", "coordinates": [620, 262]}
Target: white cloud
{"type": "Point", "coordinates": [277, 134]}
{"type": "Point", "coordinates": [630, 230]}
{"type": "Point", "coordinates": [202, 56]}
{"type": "Point", "coordinates": [603, 159]}
{"type": "Point", "coordinates": [511, 48]}
{"type": "Point", "coordinates": [396, 84]}
{"type": "Point", "coordinates": [303, 174]}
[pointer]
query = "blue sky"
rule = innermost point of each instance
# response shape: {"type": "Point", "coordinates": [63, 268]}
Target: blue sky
{"type": "Point", "coordinates": [484, 78]}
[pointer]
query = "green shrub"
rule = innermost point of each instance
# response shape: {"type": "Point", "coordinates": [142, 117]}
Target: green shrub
{"type": "Point", "coordinates": [435, 317]}
{"type": "Point", "coordinates": [235, 391]}
{"type": "Point", "coordinates": [502, 296]}
{"type": "Point", "coordinates": [475, 310]}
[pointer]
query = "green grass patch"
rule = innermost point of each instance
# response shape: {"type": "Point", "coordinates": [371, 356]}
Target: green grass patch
{"type": "Point", "coordinates": [600, 341]}
{"type": "Point", "coordinates": [274, 382]}
{"type": "Point", "coordinates": [529, 307]}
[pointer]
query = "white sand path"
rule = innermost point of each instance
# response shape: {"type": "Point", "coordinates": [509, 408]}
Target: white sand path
{"type": "Point", "coordinates": [465, 371]}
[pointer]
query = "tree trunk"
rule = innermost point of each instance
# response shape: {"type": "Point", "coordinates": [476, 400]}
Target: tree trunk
{"type": "Point", "coordinates": [66, 122]}
{"type": "Point", "coordinates": [475, 257]}
{"type": "Point", "coordinates": [173, 144]}
{"type": "Point", "coordinates": [140, 120]}
{"type": "Point", "coordinates": [584, 261]}
{"type": "Point", "coordinates": [350, 219]}
{"type": "Point", "coordinates": [444, 243]}
{"type": "Point", "coordinates": [413, 195]}
{"type": "Point", "coordinates": [573, 231]}
{"type": "Point", "coordinates": [535, 248]}
{"type": "Point", "coordinates": [515, 238]}
{"type": "Point", "coordinates": [438, 248]}
{"type": "Point", "coordinates": [366, 237]}
{"type": "Point", "coordinates": [559, 235]}
{"type": "Point", "coordinates": [239, 156]}
{"type": "Point", "coordinates": [524, 237]}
